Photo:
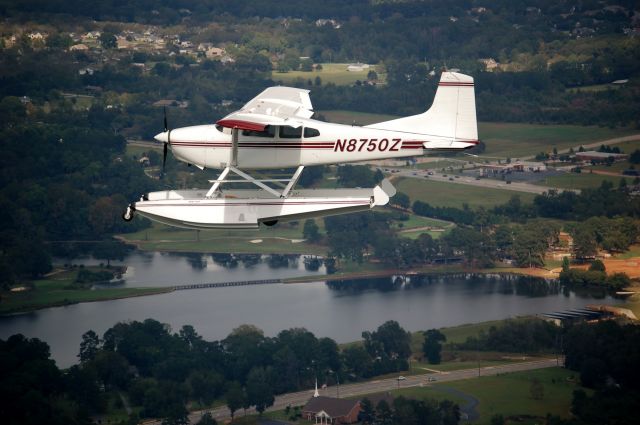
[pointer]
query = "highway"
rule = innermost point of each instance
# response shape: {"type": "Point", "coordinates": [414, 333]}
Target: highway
{"type": "Point", "coordinates": [300, 398]}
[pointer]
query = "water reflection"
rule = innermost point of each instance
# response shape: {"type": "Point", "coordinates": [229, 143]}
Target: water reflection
{"type": "Point", "coordinates": [527, 286]}
{"type": "Point", "coordinates": [169, 269]}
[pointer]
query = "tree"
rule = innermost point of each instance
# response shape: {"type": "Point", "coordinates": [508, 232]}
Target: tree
{"type": "Point", "coordinates": [89, 346]}
{"type": "Point", "coordinates": [390, 339]}
{"type": "Point", "coordinates": [497, 419]}
{"type": "Point", "coordinates": [205, 385]}
{"type": "Point", "coordinates": [565, 264]}
{"type": "Point", "coordinates": [110, 249]}
{"type": "Point", "coordinates": [235, 397]}
{"type": "Point", "coordinates": [384, 414]}
{"type": "Point", "coordinates": [402, 200]}
{"type": "Point", "coordinates": [177, 415]}
{"type": "Point", "coordinates": [367, 413]}
{"type": "Point", "coordinates": [597, 266]}
{"type": "Point", "coordinates": [584, 244]}
{"type": "Point", "coordinates": [259, 389]}
{"type": "Point", "coordinates": [207, 419]}
{"type": "Point", "coordinates": [432, 346]}
{"type": "Point", "coordinates": [310, 230]}
{"type": "Point", "coordinates": [529, 248]}
{"type": "Point", "coordinates": [108, 40]}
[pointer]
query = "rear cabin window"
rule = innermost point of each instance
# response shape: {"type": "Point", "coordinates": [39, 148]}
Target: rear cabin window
{"type": "Point", "coordinates": [269, 131]}
{"type": "Point", "coordinates": [311, 132]}
{"type": "Point", "coordinates": [287, 132]}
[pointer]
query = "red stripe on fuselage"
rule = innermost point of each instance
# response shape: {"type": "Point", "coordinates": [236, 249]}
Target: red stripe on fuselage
{"type": "Point", "coordinates": [453, 84]}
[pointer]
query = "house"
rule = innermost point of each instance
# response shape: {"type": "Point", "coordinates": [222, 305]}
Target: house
{"type": "Point", "coordinates": [489, 63]}
{"type": "Point", "coordinates": [36, 36]}
{"type": "Point", "coordinates": [214, 52]}
{"type": "Point", "coordinates": [79, 48]}
{"type": "Point", "coordinates": [329, 410]}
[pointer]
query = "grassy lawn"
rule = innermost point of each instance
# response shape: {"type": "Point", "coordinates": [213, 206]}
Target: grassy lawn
{"type": "Point", "coordinates": [634, 251]}
{"type": "Point", "coordinates": [440, 164]}
{"type": "Point", "coordinates": [582, 180]}
{"type": "Point", "coordinates": [431, 392]}
{"type": "Point", "coordinates": [518, 140]}
{"type": "Point", "coordinates": [274, 240]}
{"type": "Point", "coordinates": [459, 334]}
{"type": "Point", "coordinates": [335, 73]}
{"type": "Point", "coordinates": [52, 292]}
{"type": "Point", "coordinates": [593, 88]}
{"type": "Point", "coordinates": [509, 394]}
{"type": "Point", "coordinates": [419, 221]}
{"type": "Point", "coordinates": [628, 147]}
{"type": "Point", "coordinates": [443, 194]}
{"type": "Point", "coordinates": [135, 151]}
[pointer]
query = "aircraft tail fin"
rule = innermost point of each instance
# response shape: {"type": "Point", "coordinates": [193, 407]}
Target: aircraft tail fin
{"type": "Point", "coordinates": [451, 120]}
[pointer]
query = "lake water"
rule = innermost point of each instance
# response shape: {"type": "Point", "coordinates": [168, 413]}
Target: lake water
{"type": "Point", "coordinates": [340, 310]}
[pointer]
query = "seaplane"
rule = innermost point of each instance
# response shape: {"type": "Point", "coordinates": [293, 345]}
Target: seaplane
{"type": "Point", "coordinates": [275, 130]}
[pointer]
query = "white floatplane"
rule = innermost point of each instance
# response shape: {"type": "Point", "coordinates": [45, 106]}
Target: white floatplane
{"type": "Point", "coordinates": [274, 131]}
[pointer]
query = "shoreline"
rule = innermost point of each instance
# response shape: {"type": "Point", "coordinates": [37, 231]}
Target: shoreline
{"type": "Point", "coordinates": [92, 295]}
{"type": "Point", "coordinates": [83, 296]}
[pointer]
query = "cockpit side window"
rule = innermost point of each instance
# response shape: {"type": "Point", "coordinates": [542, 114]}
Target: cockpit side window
{"type": "Point", "coordinates": [310, 132]}
{"type": "Point", "coordinates": [287, 132]}
{"type": "Point", "coordinates": [269, 131]}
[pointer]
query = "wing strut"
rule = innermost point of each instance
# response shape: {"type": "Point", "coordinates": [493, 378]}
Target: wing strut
{"type": "Point", "coordinates": [246, 178]}
{"type": "Point", "coordinates": [234, 146]}
{"type": "Point", "coordinates": [293, 181]}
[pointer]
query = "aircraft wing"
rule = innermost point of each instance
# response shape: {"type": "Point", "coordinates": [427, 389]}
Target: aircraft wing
{"type": "Point", "coordinates": [274, 106]}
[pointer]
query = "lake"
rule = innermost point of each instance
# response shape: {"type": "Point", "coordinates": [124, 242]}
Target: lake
{"type": "Point", "coordinates": [339, 310]}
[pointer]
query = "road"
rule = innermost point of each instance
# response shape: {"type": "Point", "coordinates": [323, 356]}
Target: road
{"type": "Point", "coordinates": [300, 398]}
{"type": "Point", "coordinates": [145, 144]}
{"type": "Point", "coordinates": [471, 181]}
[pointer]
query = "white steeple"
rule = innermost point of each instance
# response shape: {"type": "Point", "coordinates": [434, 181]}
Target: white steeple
{"type": "Point", "coordinates": [316, 393]}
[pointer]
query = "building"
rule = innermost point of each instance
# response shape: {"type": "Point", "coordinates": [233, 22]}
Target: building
{"type": "Point", "coordinates": [79, 48]}
{"type": "Point", "coordinates": [329, 410]}
{"type": "Point", "coordinates": [489, 63]}
{"type": "Point", "coordinates": [600, 156]}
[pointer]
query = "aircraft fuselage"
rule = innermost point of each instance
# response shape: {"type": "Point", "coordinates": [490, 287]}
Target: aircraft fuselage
{"type": "Point", "coordinates": [314, 143]}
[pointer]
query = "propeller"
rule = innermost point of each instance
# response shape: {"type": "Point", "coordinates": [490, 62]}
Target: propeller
{"type": "Point", "coordinates": [165, 147]}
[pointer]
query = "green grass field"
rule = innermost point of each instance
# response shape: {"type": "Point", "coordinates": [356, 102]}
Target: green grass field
{"type": "Point", "coordinates": [459, 334]}
{"type": "Point", "coordinates": [582, 180]}
{"type": "Point", "coordinates": [593, 88]}
{"type": "Point", "coordinates": [443, 194]}
{"type": "Point", "coordinates": [51, 292]}
{"type": "Point", "coordinates": [518, 140]}
{"type": "Point", "coordinates": [278, 239]}
{"type": "Point", "coordinates": [510, 395]}
{"type": "Point", "coordinates": [335, 73]}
